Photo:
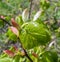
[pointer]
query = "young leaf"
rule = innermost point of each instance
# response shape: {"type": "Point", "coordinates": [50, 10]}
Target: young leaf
{"type": "Point", "coordinates": [35, 55]}
{"type": "Point", "coordinates": [19, 20]}
{"type": "Point", "coordinates": [6, 59]}
{"type": "Point", "coordinates": [11, 35]}
{"type": "Point", "coordinates": [22, 53]}
{"type": "Point", "coordinates": [14, 23]}
{"type": "Point", "coordinates": [15, 31]}
{"type": "Point", "coordinates": [25, 15]}
{"type": "Point", "coordinates": [37, 15]}
{"type": "Point", "coordinates": [2, 17]}
{"type": "Point", "coordinates": [10, 53]}
{"type": "Point", "coordinates": [34, 34]}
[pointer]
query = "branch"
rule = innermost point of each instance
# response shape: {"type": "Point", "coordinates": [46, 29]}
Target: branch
{"type": "Point", "coordinates": [30, 8]}
{"type": "Point", "coordinates": [19, 41]}
{"type": "Point", "coordinates": [27, 56]}
{"type": "Point", "coordinates": [5, 21]}
{"type": "Point", "coordinates": [25, 51]}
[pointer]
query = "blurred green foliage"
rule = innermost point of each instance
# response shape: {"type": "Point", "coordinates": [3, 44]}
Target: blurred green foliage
{"type": "Point", "coordinates": [10, 7]}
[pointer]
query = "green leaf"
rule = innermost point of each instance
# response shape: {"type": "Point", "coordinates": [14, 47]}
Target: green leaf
{"type": "Point", "coordinates": [7, 18]}
{"type": "Point", "coordinates": [1, 23]}
{"type": "Point", "coordinates": [34, 34]}
{"type": "Point", "coordinates": [15, 31]}
{"type": "Point", "coordinates": [19, 20]}
{"type": "Point", "coordinates": [11, 35]}
{"type": "Point", "coordinates": [6, 59]}
{"type": "Point", "coordinates": [49, 56]}
{"type": "Point", "coordinates": [17, 58]}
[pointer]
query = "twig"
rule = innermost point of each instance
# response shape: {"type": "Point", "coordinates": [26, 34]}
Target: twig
{"type": "Point", "coordinates": [27, 56]}
{"type": "Point", "coordinates": [19, 40]}
{"type": "Point", "coordinates": [25, 51]}
{"type": "Point", "coordinates": [5, 21]}
{"type": "Point", "coordinates": [30, 8]}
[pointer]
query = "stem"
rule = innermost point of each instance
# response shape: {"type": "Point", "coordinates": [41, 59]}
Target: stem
{"type": "Point", "coordinates": [30, 9]}
{"type": "Point", "coordinates": [27, 56]}
{"type": "Point", "coordinates": [24, 25]}
{"type": "Point", "coordinates": [25, 51]}
{"type": "Point", "coordinates": [19, 40]}
{"type": "Point", "coordinates": [5, 21]}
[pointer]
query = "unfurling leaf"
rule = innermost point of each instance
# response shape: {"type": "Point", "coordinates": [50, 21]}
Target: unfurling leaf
{"type": "Point", "coordinates": [11, 35]}
{"type": "Point", "coordinates": [19, 20]}
{"type": "Point", "coordinates": [25, 15]}
{"type": "Point", "coordinates": [10, 53]}
{"type": "Point", "coordinates": [6, 59]}
{"type": "Point", "coordinates": [37, 15]}
{"type": "Point", "coordinates": [15, 31]}
{"type": "Point", "coordinates": [14, 23]}
{"type": "Point", "coordinates": [15, 48]}
{"type": "Point", "coordinates": [22, 53]}
{"type": "Point", "coordinates": [2, 17]}
{"type": "Point", "coordinates": [35, 55]}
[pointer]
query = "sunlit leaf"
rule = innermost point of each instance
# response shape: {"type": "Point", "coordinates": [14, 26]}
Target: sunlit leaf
{"type": "Point", "coordinates": [22, 53]}
{"type": "Point", "coordinates": [11, 35]}
{"type": "Point", "coordinates": [34, 34]}
{"type": "Point", "coordinates": [15, 31]}
{"type": "Point", "coordinates": [25, 15]}
{"type": "Point", "coordinates": [19, 20]}
{"type": "Point", "coordinates": [37, 15]}
{"type": "Point", "coordinates": [6, 59]}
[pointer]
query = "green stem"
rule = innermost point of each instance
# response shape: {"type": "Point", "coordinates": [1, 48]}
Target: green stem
{"type": "Point", "coordinates": [23, 25]}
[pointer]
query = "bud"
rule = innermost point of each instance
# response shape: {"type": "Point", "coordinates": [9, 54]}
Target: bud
{"type": "Point", "coordinates": [14, 23]}
{"type": "Point", "coordinates": [15, 31]}
{"type": "Point", "coordinates": [10, 53]}
{"type": "Point", "coordinates": [22, 53]}
{"type": "Point", "coordinates": [34, 54]}
{"type": "Point", "coordinates": [2, 17]}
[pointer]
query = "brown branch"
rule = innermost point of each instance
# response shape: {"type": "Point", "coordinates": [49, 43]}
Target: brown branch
{"type": "Point", "coordinates": [25, 51]}
{"type": "Point", "coordinates": [19, 41]}
{"type": "Point", "coordinates": [27, 56]}
{"type": "Point", "coordinates": [5, 21]}
{"type": "Point", "coordinates": [30, 9]}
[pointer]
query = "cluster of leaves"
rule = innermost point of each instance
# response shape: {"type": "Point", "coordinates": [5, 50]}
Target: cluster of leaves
{"type": "Point", "coordinates": [32, 35]}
